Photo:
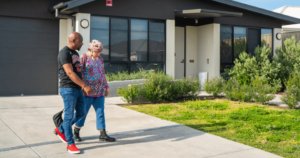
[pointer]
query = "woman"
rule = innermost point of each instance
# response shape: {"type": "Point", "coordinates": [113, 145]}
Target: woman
{"type": "Point", "coordinates": [93, 75]}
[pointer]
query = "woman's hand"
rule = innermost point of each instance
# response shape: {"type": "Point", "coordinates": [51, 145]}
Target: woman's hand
{"type": "Point", "coordinates": [106, 92]}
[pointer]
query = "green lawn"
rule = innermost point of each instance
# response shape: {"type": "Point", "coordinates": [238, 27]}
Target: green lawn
{"type": "Point", "coordinates": [268, 128]}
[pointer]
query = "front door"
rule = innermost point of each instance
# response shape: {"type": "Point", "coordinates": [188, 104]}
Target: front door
{"type": "Point", "coordinates": [179, 52]}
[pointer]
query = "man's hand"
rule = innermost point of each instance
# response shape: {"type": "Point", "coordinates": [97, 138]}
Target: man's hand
{"type": "Point", "coordinates": [106, 92]}
{"type": "Point", "coordinates": [73, 76]}
{"type": "Point", "coordinates": [88, 90]}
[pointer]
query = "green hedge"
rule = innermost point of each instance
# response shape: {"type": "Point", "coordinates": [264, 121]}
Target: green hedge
{"type": "Point", "coordinates": [160, 87]}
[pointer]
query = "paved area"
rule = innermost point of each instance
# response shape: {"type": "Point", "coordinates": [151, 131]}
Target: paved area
{"type": "Point", "coordinates": [27, 131]}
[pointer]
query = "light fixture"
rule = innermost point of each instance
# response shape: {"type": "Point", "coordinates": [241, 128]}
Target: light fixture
{"type": "Point", "coordinates": [84, 23]}
{"type": "Point", "coordinates": [196, 21]}
{"type": "Point", "coordinates": [278, 36]}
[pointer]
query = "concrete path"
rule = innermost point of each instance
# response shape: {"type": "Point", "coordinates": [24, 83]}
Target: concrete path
{"type": "Point", "coordinates": [27, 131]}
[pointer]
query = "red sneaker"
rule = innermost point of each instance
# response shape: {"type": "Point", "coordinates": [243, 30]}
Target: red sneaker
{"type": "Point", "coordinates": [73, 149]}
{"type": "Point", "coordinates": [60, 135]}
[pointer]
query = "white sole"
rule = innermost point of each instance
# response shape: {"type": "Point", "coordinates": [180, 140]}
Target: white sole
{"type": "Point", "coordinates": [73, 152]}
{"type": "Point", "coordinates": [62, 139]}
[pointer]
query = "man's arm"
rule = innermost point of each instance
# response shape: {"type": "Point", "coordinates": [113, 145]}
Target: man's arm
{"type": "Point", "coordinates": [73, 76]}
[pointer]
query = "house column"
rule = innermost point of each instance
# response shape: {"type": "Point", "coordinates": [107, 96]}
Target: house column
{"type": "Point", "coordinates": [209, 49]}
{"type": "Point", "coordinates": [276, 42]}
{"type": "Point", "coordinates": [85, 32]}
{"type": "Point", "coordinates": [170, 47]}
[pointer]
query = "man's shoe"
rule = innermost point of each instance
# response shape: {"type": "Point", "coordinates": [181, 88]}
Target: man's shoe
{"type": "Point", "coordinates": [76, 136]}
{"type": "Point", "coordinates": [105, 137]}
{"type": "Point", "coordinates": [60, 135]}
{"type": "Point", "coordinates": [73, 149]}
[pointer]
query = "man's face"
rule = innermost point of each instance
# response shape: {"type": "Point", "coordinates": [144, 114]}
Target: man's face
{"type": "Point", "coordinates": [78, 43]}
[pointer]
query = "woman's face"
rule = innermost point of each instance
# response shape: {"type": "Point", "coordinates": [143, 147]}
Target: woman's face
{"type": "Point", "coordinates": [96, 54]}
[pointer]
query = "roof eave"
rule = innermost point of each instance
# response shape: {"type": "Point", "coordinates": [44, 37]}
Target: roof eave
{"type": "Point", "coordinates": [283, 18]}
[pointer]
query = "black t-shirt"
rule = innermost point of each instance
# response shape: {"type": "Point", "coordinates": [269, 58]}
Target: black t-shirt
{"type": "Point", "coordinates": [67, 55]}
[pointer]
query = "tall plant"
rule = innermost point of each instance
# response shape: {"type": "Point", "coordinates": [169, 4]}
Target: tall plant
{"type": "Point", "coordinates": [292, 92]}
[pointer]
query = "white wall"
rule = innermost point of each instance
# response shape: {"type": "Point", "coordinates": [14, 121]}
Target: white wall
{"type": "Point", "coordinates": [276, 42]}
{"type": "Point", "coordinates": [209, 48]}
{"type": "Point", "coordinates": [191, 51]}
{"type": "Point", "coordinates": [85, 32]}
{"type": "Point", "coordinates": [63, 34]}
{"type": "Point", "coordinates": [170, 47]}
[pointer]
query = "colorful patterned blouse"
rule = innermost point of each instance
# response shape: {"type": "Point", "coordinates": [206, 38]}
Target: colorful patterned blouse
{"type": "Point", "coordinates": [93, 75]}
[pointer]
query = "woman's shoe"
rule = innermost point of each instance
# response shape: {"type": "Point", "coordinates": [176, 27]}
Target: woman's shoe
{"type": "Point", "coordinates": [76, 136]}
{"type": "Point", "coordinates": [105, 137]}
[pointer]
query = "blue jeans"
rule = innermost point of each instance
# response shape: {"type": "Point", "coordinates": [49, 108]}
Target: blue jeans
{"type": "Point", "coordinates": [98, 103]}
{"type": "Point", "coordinates": [73, 100]}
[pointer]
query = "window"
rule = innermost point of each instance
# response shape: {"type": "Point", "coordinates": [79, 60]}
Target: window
{"type": "Point", "coordinates": [156, 41]}
{"type": "Point", "coordinates": [267, 38]}
{"type": "Point", "coordinates": [235, 40]}
{"type": "Point", "coordinates": [130, 44]}
{"type": "Point", "coordinates": [114, 67]}
{"type": "Point", "coordinates": [240, 41]}
{"type": "Point", "coordinates": [119, 39]}
{"type": "Point", "coordinates": [100, 32]}
{"type": "Point", "coordinates": [226, 45]}
{"type": "Point", "coordinates": [134, 67]}
{"type": "Point", "coordinates": [139, 40]}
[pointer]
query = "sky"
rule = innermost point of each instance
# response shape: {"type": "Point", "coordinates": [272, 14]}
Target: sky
{"type": "Point", "coordinates": [270, 4]}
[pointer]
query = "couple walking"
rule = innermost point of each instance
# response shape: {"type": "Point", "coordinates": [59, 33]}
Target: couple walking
{"type": "Point", "coordinates": [82, 84]}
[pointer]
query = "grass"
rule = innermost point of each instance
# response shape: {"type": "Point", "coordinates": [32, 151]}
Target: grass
{"type": "Point", "coordinates": [264, 127]}
{"type": "Point", "coordinates": [121, 76]}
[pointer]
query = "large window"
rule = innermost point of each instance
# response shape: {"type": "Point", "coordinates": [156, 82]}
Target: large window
{"type": "Point", "coordinates": [130, 44]}
{"type": "Point", "coordinates": [119, 39]}
{"type": "Point", "coordinates": [157, 41]}
{"type": "Point", "coordinates": [267, 38]}
{"type": "Point", "coordinates": [226, 45]}
{"type": "Point", "coordinates": [139, 40]}
{"type": "Point", "coordinates": [235, 40]}
{"type": "Point", "coordinates": [240, 41]}
{"type": "Point", "coordinates": [100, 31]}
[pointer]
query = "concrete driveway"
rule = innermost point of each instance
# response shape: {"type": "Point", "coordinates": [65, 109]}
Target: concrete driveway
{"type": "Point", "coordinates": [26, 130]}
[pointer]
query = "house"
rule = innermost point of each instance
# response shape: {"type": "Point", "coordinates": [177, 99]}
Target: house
{"type": "Point", "coordinates": [293, 11]}
{"type": "Point", "coordinates": [183, 37]}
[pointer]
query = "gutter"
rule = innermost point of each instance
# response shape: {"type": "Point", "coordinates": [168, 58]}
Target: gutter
{"type": "Point", "coordinates": [57, 8]}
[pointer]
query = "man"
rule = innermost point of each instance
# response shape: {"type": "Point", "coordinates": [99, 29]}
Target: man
{"type": "Point", "coordinates": [71, 86]}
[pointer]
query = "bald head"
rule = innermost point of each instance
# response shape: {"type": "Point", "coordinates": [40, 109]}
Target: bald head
{"type": "Point", "coordinates": [75, 41]}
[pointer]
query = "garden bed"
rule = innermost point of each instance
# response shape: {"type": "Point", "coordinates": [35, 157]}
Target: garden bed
{"type": "Point", "coordinates": [269, 128]}
{"type": "Point", "coordinates": [203, 98]}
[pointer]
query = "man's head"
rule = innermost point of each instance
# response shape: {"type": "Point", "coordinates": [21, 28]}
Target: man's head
{"type": "Point", "coordinates": [75, 41]}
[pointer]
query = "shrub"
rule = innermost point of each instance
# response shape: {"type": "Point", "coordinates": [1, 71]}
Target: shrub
{"type": "Point", "coordinates": [189, 87]}
{"type": "Point", "coordinates": [292, 92]}
{"type": "Point", "coordinates": [234, 91]}
{"type": "Point", "coordinates": [214, 86]}
{"type": "Point", "coordinates": [243, 93]}
{"type": "Point", "coordinates": [130, 93]}
{"type": "Point", "coordinates": [157, 87]}
{"type": "Point", "coordinates": [247, 67]}
{"type": "Point", "coordinates": [228, 88]}
{"type": "Point", "coordinates": [288, 58]}
{"type": "Point", "coordinates": [263, 91]}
